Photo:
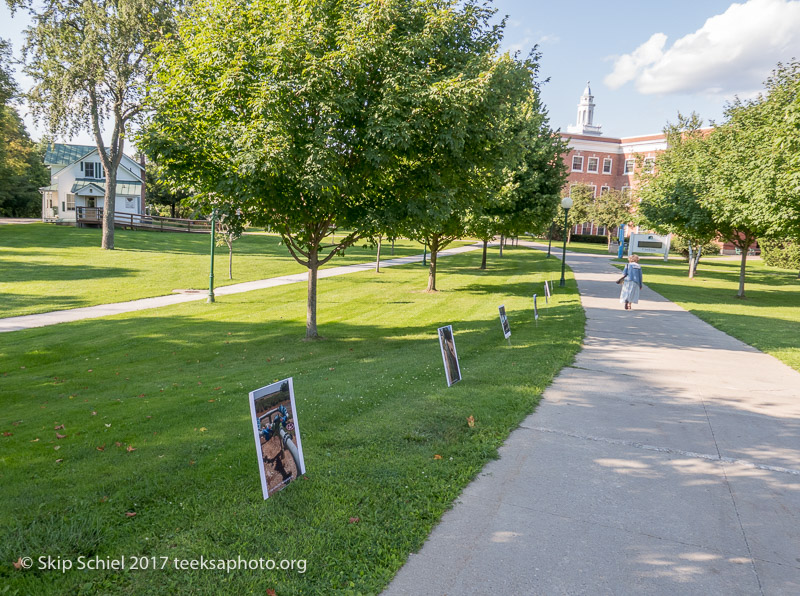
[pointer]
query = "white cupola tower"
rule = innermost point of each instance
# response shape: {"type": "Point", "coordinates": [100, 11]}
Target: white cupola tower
{"type": "Point", "coordinates": [584, 124]}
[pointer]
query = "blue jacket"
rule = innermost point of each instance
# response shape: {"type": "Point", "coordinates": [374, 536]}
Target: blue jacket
{"type": "Point", "coordinates": [633, 272]}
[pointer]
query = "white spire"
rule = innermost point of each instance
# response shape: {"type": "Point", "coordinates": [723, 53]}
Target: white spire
{"type": "Point", "coordinates": [584, 125]}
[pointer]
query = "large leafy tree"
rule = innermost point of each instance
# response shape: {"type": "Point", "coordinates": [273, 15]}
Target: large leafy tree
{"type": "Point", "coordinates": [22, 172]}
{"type": "Point", "coordinates": [671, 197]}
{"type": "Point", "coordinates": [320, 115]}
{"type": "Point", "coordinates": [467, 134]}
{"type": "Point", "coordinates": [743, 172]}
{"type": "Point", "coordinates": [530, 201]}
{"type": "Point", "coordinates": [90, 61]}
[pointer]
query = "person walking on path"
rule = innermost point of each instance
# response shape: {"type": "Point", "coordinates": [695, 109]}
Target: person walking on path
{"type": "Point", "coordinates": [632, 274]}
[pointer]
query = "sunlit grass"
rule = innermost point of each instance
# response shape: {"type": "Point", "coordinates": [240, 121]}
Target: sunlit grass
{"type": "Point", "coordinates": [44, 267]}
{"type": "Point", "coordinates": [373, 409]}
{"type": "Point", "coordinates": [769, 317]}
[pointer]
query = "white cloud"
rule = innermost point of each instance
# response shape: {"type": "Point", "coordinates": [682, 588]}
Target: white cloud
{"type": "Point", "coordinates": [731, 53]}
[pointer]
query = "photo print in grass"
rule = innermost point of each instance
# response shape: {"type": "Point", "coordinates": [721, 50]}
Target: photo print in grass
{"type": "Point", "coordinates": [449, 355]}
{"type": "Point", "coordinates": [535, 309]}
{"type": "Point", "coordinates": [546, 293]}
{"type": "Point", "coordinates": [280, 452]}
{"type": "Point", "coordinates": [504, 322]}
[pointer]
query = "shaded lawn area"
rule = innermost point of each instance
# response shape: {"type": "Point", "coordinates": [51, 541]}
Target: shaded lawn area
{"type": "Point", "coordinates": [373, 410]}
{"type": "Point", "coordinates": [768, 319]}
{"type": "Point", "coordinates": [44, 267]}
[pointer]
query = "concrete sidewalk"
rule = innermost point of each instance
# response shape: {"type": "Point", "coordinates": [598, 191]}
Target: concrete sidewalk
{"type": "Point", "coordinates": [665, 460]}
{"type": "Point", "coordinates": [103, 310]}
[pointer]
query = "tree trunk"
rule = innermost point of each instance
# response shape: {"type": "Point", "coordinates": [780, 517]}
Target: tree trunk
{"type": "Point", "coordinates": [550, 238]}
{"type": "Point", "coordinates": [694, 260]}
{"type": "Point", "coordinates": [483, 262]}
{"type": "Point", "coordinates": [230, 260]}
{"type": "Point", "coordinates": [172, 209]}
{"type": "Point", "coordinates": [742, 269]}
{"type": "Point", "coordinates": [434, 247]}
{"type": "Point", "coordinates": [311, 309]}
{"type": "Point", "coordinates": [378, 260]}
{"type": "Point", "coordinates": [502, 239]}
{"type": "Point", "coordinates": [109, 205]}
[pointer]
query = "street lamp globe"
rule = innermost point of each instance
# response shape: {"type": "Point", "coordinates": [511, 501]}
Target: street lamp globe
{"type": "Point", "coordinates": [566, 203]}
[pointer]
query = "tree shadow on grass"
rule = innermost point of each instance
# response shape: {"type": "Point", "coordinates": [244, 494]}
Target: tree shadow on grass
{"type": "Point", "coordinates": [12, 302]}
{"type": "Point", "coordinates": [22, 271]}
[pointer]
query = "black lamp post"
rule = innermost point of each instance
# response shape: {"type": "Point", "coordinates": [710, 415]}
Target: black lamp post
{"type": "Point", "coordinates": [566, 204]}
{"type": "Point", "coordinates": [213, 242]}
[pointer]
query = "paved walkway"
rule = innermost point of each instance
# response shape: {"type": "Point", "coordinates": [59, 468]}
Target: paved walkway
{"type": "Point", "coordinates": [665, 460]}
{"type": "Point", "coordinates": [104, 310]}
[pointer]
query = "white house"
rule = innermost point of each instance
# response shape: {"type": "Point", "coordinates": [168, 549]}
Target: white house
{"type": "Point", "coordinates": [77, 180]}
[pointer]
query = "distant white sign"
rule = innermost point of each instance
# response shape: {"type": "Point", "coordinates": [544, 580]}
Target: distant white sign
{"type": "Point", "coordinates": [649, 243]}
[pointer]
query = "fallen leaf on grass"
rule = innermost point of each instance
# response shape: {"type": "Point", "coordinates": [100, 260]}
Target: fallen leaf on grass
{"type": "Point", "coordinates": [59, 427]}
{"type": "Point", "coordinates": [470, 421]}
{"type": "Point", "coordinates": [108, 426]}
{"type": "Point", "coordinates": [210, 400]}
{"type": "Point", "coordinates": [271, 592]}
{"type": "Point", "coordinates": [437, 456]}
{"type": "Point", "coordinates": [354, 520]}
{"type": "Point", "coordinates": [101, 448]}
{"type": "Point", "coordinates": [90, 370]}
{"type": "Point", "coordinates": [191, 462]}
{"type": "Point", "coordinates": [58, 461]}
{"type": "Point", "coordinates": [130, 514]}
{"type": "Point", "coordinates": [18, 563]}
{"type": "Point", "coordinates": [58, 436]}
{"type": "Point", "coordinates": [118, 444]}
{"type": "Point", "coordinates": [94, 413]}
{"type": "Point", "coordinates": [130, 448]}
{"type": "Point", "coordinates": [203, 429]}
{"type": "Point", "coordinates": [57, 447]}
{"type": "Point", "coordinates": [17, 423]}
{"type": "Point", "coordinates": [104, 498]}
{"type": "Point", "coordinates": [35, 440]}
{"type": "Point", "coordinates": [7, 434]}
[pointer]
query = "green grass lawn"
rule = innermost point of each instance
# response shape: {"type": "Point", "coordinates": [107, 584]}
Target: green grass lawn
{"type": "Point", "coordinates": [172, 383]}
{"type": "Point", "coordinates": [768, 319]}
{"type": "Point", "coordinates": [44, 267]}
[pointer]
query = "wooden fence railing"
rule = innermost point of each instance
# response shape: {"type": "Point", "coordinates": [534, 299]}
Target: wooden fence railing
{"type": "Point", "coordinates": [134, 221]}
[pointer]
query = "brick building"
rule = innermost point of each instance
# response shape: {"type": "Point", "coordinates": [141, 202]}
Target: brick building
{"type": "Point", "coordinates": [604, 162]}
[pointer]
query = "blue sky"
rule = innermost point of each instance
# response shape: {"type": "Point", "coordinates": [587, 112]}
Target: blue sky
{"type": "Point", "coordinates": [645, 61]}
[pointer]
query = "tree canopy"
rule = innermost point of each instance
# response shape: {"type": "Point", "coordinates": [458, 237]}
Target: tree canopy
{"type": "Point", "coordinates": [348, 114]}
{"type": "Point", "coordinates": [90, 62]}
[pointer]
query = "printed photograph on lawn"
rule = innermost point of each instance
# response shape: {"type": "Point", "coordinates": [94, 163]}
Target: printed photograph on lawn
{"type": "Point", "coordinates": [504, 322]}
{"type": "Point", "coordinates": [535, 309]}
{"type": "Point", "coordinates": [449, 355]}
{"type": "Point", "coordinates": [546, 293]}
{"type": "Point", "coordinates": [280, 452]}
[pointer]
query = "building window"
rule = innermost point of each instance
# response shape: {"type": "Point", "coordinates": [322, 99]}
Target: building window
{"type": "Point", "coordinates": [626, 191]}
{"type": "Point", "coordinates": [577, 163]}
{"type": "Point", "coordinates": [92, 169]}
{"type": "Point", "coordinates": [594, 190]}
{"type": "Point", "coordinates": [607, 165]}
{"type": "Point", "coordinates": [604, 189]}
{"type": "Point", "coordinates": [70, 203]}
{"type": "Point", "coordinates": [592, 165]}
{"type": "Point", "coordinates": [649, 164]}
{"type": "Point", "coordinates": [629, 166]}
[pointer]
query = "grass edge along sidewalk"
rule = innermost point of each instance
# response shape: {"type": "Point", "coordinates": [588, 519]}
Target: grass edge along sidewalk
{"type": "Point", "coordinates": [768, 319]}
{"type": "Point", "coordinates": [156, 422]}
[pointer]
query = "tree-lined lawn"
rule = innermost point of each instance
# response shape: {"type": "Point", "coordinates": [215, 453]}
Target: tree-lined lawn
{"type": "Point", "coordinates": [768, 319]}
{"type": "Point", "coordinates": [156, 422]}
{"type": "Point", "coordinates": [44, 267]}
